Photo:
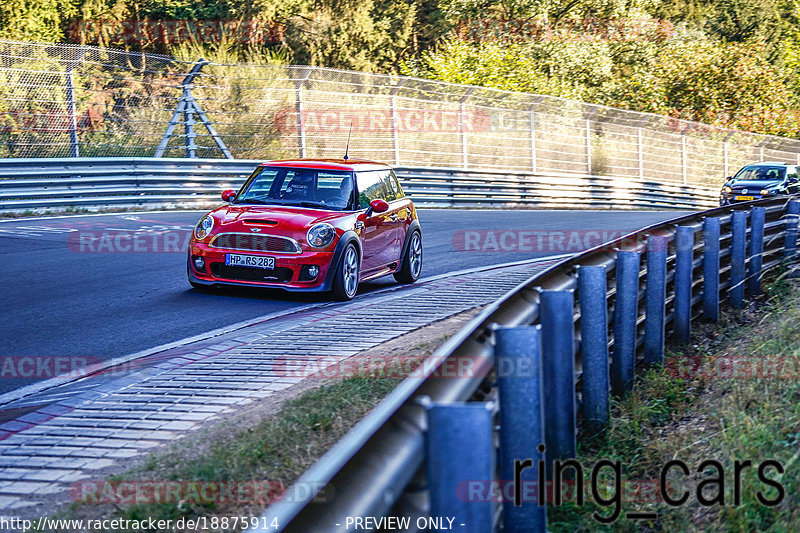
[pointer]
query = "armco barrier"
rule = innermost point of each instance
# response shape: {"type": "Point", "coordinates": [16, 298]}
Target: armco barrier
{"type": "Point", "coordinates": [682, 269]}
{"type": "Point", "coordinates": [37, 184]}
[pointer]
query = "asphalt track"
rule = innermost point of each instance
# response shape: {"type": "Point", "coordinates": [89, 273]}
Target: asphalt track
{"type": "Point", "coordinates": [62, 296]}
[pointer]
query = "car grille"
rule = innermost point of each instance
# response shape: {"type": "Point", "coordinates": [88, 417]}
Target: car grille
{"type": "Point", "coordinates": [255, 243]}
{"type": "Point", "coordinates": [277, 275]}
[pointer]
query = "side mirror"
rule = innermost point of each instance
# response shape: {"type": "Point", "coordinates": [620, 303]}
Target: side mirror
{"type": "Point", "coordinates": [228, 195]}
{"type": "Point", "coordinates": [729, 178]}
{"type": "Point", "coordinates": [378, 206]}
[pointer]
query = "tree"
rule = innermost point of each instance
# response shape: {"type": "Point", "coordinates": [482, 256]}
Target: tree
{"type": "Point", "coordinates": [34, 20]}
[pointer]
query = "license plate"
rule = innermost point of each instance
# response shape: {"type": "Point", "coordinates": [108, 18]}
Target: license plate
{"type": "Point", "coordinates": [745, 198]}
{"type": "Point", "coordinates": [252, 261]}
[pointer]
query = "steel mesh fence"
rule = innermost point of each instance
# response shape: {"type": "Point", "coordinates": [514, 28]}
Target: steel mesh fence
{"type": "Point", "coordinates": [60, 100]}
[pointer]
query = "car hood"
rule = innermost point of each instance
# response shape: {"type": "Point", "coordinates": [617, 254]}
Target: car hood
{"type": "Point", "coordinates": [761, 184]}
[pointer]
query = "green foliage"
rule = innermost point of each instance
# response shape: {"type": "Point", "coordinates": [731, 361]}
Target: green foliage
{"type": "Point", "coordinates": [34, 20]}
{"type": "Point", "coordinates": [733, 63]}
{"type": "Point", "coordinates": [362, 35]}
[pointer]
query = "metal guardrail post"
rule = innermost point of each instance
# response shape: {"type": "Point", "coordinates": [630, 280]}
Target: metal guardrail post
{"type": "Point", "coordinates": [655, 295]}
{"type": "Point", "coordinates": [738, 247]}
{"type": "Point", "coordinates": [684, 258]}
{"type": "Point", "coordinates": [459, 451]}
{"type": "Point", "coordinates": [556, 309]}
{"type": "Point", "coordinates": [758, 217]}
{"type": "Point", "coordinates": [711, 234]}
{"type": "Point", "coordinates": [518, 359]}
{"type": "Point", "coordinates": [790, 240]}
{"type": "Point", "coordinates": [594, 347]}
{"type": "Point", "coordinates": [625, 313]}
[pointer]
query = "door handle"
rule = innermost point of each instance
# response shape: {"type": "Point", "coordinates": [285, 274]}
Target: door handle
{"type": "Point", "coordinates": [393, 216]}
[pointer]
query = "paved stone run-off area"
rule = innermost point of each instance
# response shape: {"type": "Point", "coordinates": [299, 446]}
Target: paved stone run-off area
{"type": "Point", "coordinates": [69, 433]}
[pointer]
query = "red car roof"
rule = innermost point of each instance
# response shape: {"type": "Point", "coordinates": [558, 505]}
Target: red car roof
{"type": "Point", "coordinates": [327, 164]}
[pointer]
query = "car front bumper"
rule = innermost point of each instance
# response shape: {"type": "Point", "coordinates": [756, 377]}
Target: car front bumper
{"type": "Point", "coordinates": [286, 274]}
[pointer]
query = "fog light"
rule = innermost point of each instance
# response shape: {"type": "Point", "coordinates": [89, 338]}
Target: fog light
{"type": "Point", "coordinates": [199, 263]}
{"type": "Point", "coordinates": [308, 273]}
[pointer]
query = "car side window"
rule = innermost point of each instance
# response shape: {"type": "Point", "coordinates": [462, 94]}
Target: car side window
{"type": "Point", "coordinates": [370, 187]}
{"type": "Point", "coordinates": [388, 185]}
{"type": "Point", "coordinates": [396, 185]}
{"type": "Point", "coordinates": [791, 175]}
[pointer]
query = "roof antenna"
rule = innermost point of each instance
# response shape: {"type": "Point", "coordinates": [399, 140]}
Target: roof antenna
{"type": "Point", "coordinates": [347, 148]}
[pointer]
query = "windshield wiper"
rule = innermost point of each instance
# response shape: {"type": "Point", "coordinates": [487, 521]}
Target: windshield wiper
{"type": "Point", "coordinates": [256, 201]}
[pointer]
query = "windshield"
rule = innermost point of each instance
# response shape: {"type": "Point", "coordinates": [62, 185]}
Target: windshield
{"type": "Point", "coordinates": [306, 187]}
{"type": "Point", "coordinates": [761, 173]}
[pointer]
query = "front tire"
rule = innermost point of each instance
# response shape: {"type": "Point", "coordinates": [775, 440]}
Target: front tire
{"type": "Point", "coordinates": [345, 283]}
{"type": "Point", "coordinates": [412, 261]}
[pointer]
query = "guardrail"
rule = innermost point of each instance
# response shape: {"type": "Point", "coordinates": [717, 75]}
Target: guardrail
{"type": "Point", "coordinates": [92, 183]}
{"type": "Point", "coordinates": [408, 456]}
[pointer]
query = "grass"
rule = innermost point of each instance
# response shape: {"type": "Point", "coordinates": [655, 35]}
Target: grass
{"type": "Point", "coordinates": [274, 451]}
{"type": "Point", "coordinates": [752, 414]}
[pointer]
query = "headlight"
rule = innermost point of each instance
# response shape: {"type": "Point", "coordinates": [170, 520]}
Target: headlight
{"type": "Point", "coordinates": [204, 227]}
{"type": "Point", "coordinates": [764, 192]}
{"type": "Point", "coordinates": [320, 235]}
{"type": "Point", "coordinates": [726, 189]}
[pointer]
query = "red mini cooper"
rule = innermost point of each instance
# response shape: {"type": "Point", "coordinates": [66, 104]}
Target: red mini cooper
{"type": "Point", "coordinates": [309, 225]}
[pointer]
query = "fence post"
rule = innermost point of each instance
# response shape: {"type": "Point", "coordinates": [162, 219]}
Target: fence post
{"type": "Point", "coordinates": [72, 112]}
{"type": "Point", "coordinates": [460, 450]}
{"type": "Point", "coordinates": [533, 140]}
{"type": "Point", "coordinates": [738, 247]}
{"type": "Point", "coordinates": [641, 152]}
{"type": "Point", "coordinates": [594, 346]}
{"type": "Point", "coordinates": [395, 119]}
{"type": "Point", "coordinates": [298, 105]}
{"type": "Point", "coordinates": [655, 293]}
{"type": "Point", "coordinates": [684, 257]}
{"type": "Point", "coordinates": [625, 313]}
{"type": "Point", "coordinates": [588, 146]}
{"type": "Point", "coordinates": [683, 157]}
{"type": "Point", "coordinates": [518, 360]}
{"type": "Point", "coordinates": [711, 231]}
{"type": "Point", "coordinates": [725, 157]}
{"type": "Point", "coordinates": [188, 121]}
{"type": "Point", "coordinates": [558, 365]}
{"type": "Point", "coordinates": [395, 132]}
{"type": "Point", "coordinates": [790, 241]}
{"type": "Point", "coordinates": [757, 219]}
{"type": "Point", "coordinates": [462, 113]}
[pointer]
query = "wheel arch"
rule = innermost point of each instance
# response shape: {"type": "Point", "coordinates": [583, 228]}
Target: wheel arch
{"type": "Point", "coordinates": [414, 226]}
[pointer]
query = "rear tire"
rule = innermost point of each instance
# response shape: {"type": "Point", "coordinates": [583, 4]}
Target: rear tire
{"type": "Point", "coordinates": [345, 282]}
{"type": "Point", "coordinates": [412, 261]}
